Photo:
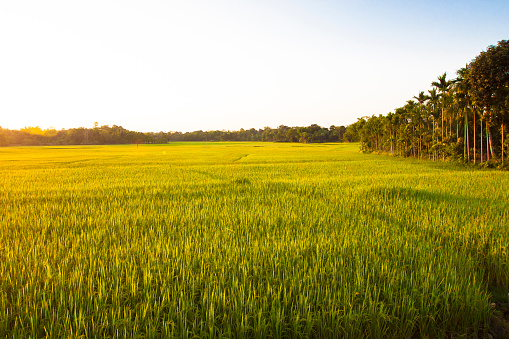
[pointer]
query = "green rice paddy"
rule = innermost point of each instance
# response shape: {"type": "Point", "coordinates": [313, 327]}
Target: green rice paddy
{"type": "Point", "coordinates": [260, 240]}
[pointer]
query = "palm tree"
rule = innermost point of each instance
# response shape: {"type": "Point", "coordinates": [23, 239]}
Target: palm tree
{"type": "Point", "coordinates": [433, 101]}
{"type": "Point", "coordinates": [421, 99]}
{"type": "Point", "coordinates": [390, 122]}
{"type": "Point", "coordinates": [464, 104]}
{"type": "Point", "coordinates": [443, 86]}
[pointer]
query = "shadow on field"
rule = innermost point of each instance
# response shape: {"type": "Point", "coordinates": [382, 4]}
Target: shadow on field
{"type": "Point", "coordinates": [435, 165]}
{"type": "Point", "coordinates": [444, 219]}
{"type": "Point", "coordinates": [413, 208]}
{"type": "Point", "coordinates": [417, 195]}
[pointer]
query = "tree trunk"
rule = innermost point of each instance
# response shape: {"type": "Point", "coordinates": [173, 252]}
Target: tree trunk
{"type": "Point", "coordinates": [420, 143]}
{"type": "Point", "coordinates": [481, 142]}
{"type": "Point", "coordinates": [487, 143]}
{"type": "Point", "coordinates": [466, 148]}
{"type": "Point", "coordinates": [392, 143]}
{"type": "Point", "coordinates": [433, 138]}
{"type": "Point", "coordinates": [427, 144]}
{"type": "Point", "coordinates": [442, 129]}
{"type": "Point", "coordinates": [412, 145]}
{"type": "Point", "coordinates": [458, 129]}
{"type": "Point", "coordinates": [502, 145]}
{"type": "Point", "coordinates": [474, 140]}
{"type": "Point", "coordinates": [442, 141]}
{"type": "Point", "coordinates": [493, 154]}
{"type": "Point", "coordinates": [468, 139]}
{"type": "Point", "coordinates": [450, 127]}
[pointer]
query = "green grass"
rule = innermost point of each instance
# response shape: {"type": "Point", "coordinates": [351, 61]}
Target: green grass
{"type": "Point", "coordinates": [246, 240]}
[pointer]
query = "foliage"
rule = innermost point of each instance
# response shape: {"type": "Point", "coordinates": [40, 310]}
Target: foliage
{"type": "Point", "coordinates": [460, 118]}
{"type": "Point", "coordinates": [106, 135]}
{"type": "Point", "coordinates": [489, 79]}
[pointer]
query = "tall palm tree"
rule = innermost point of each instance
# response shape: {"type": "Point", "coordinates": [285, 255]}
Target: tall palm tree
{"type": "Point", "coordinates": [460, 107]}
{"type": "Point", "coordinates": [421, 99]}
{"type": "Point", "coordinates": [443, 87]}
{"type": "Point", "coordinates": [433, 101]}
{"type": "Point", "coordinates": [390, 123]}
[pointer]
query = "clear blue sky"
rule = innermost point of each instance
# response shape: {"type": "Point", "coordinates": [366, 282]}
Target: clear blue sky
{"type": "Point", "coordinates": [161, 65]}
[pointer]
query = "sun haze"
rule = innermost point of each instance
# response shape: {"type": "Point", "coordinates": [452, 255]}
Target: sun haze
{"type": "Point", "coordinates": [189, 65]}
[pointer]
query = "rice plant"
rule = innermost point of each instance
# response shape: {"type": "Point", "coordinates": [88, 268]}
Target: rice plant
{"type": "Point", "coordinates": [246, 240]}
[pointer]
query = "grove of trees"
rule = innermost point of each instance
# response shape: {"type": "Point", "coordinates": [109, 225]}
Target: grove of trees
{"type": "Point", "coordinates": [464, 118]}
{"type": "Point", "coordinates": [119, 135]}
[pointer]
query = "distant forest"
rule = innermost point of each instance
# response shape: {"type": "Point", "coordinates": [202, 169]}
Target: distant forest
{"type": "Point", "coordinates": [102, 135]}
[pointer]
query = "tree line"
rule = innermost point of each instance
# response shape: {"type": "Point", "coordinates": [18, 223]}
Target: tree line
{"type": "Point", "coordinates": [464, 118]}
{"type": "Point", "coordinates": [101, 135]}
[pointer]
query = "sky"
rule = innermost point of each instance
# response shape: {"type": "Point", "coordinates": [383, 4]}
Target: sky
{"type": "Point", "coordinates": [168, 65]}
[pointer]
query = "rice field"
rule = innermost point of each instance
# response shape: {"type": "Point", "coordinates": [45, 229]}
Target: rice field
{"type": "Point", "coordinates": [261, 240]}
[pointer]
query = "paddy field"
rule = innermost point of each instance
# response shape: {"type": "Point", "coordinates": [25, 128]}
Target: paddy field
{"type": "Point", "coordinates": [258, 240]}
